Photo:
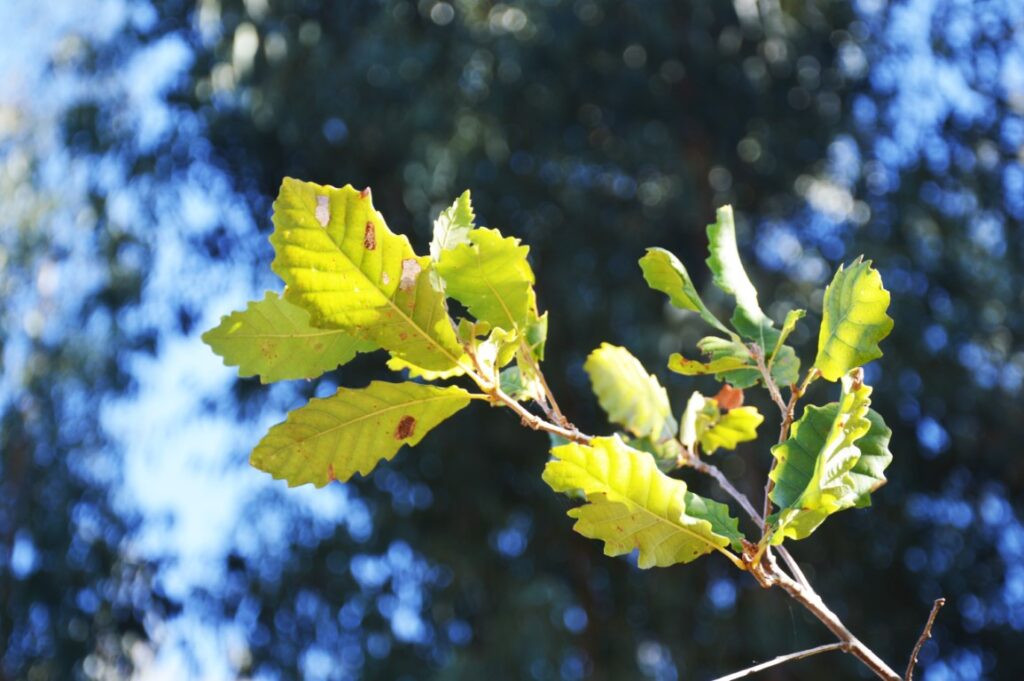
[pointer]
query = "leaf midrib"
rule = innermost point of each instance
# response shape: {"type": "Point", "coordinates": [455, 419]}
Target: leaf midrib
{"type": "Point", "coordinates": [391, 303]}
{"type": "Point", "coordinates": [366, 416]}
{"type": "Point", "coordinates": [627, 501]}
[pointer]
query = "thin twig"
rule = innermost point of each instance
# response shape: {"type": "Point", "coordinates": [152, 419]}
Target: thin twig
{"type": "Point", "coordinates": [694, 462]}
{"type": "Point", "coordinates": [758, 354]}
{"type": "Point", "coordinates": [787, 422]}
{"type": "Point", "coordinates": [558, 417]}
{"type": "Point", "coordinates": [535, 422]}
{"type": "Point", "coordinates": [767, 574]}
{"type": "Point", "coordinates": [925, 635]}
{"type": "Point", "coordinates": [812, 602]}
{"type": "Point", "coordinates": [782, 659]}
{"type": "Point", "coordinates": [788, 411]}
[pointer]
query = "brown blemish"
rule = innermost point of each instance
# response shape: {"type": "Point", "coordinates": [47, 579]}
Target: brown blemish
{"type": "Point", "coordinates": [363, 194]}
{"type": "Point", "coordinates": [370, 237]}
{"type": "Point", "coordinates": [405, 428]}
{"type": "Point", "coordinates": [410, 271]}
{"type": "Point", "coordinates": [330, 473]}
{"type": "Point", "coordinates": [323, 210]}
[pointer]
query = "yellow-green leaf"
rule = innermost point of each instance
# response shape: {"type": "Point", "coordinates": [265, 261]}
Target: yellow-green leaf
{"type": "Point", "coordinates": [730, 276]}
{"type": "Point", "coordinates": [491, 277]}
{"type": "Point", "coordinates": [629, 395]}
{"type": "Point", "coordinates": [631, 505]}
{"type": "Point", "coordinates": [817, 473]}
{"type": "Point", "coordinates": [348, 433]}
{"type": "Point", "coordinates": [721, 366]}
{"type": "Point", "coordinates": [274, 340]}
{"type": "Point", "coordinates": [733, 427]}
{"type": "Point", "coordinates": [854, 320]}
{"type": "Point", "coordinates": [730, 361]}
{"type": "Point", "coordinates": [396, 364]}
{"type": "Point", "coordinates": [664, 272]}
{"type": "Point", "coordinates": [349, 271]}
{"type": "Point", "coordinates": [705, 423]}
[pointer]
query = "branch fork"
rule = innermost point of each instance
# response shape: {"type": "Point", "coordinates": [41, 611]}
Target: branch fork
{"type": "Point", "coordinates": [757, 559]}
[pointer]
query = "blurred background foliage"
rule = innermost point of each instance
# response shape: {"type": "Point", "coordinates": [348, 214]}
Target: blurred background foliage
{"type": "Point", "coordinates": [140, 147]}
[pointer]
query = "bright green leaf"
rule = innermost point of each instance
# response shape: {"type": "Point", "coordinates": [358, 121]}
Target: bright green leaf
{"type": "Point", "coordinates": [730, 277]}
{"type": "Point", "coordinates": [629, 395]}
{"type": "Point", "coordinates": [853, 320]}
{"type": "Point", "coordinates": [491, 277]}
{"type": "Point", "coordinates": [274, 340]}
{"type": "Point", "coordinates": [633, 505]}
{"type": "Point", "coordinates": [348, 433]}
{"type": "Point", "coordinates": [815, 476]}
{"type": "Point", "coordinates": [664, 272]}
{"type": "Point", "coordinates": [452, 226]}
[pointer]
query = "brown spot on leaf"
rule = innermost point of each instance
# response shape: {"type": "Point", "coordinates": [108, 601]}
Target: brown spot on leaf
{"type": "Point", "coordinates": [370, 237]}
{"type": "Point", "coordinates": [729, 397]}
{"type": "Point", "coordinates": [330, 473]}
{"type": "Point", "coordinates": [363, 194]}
{"type": "Point", "coordinates": [323, 210]}
{"type": "Point", "coordinates": [406, 427]}
{"type": "Point", "coordinates": [410, 271]}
